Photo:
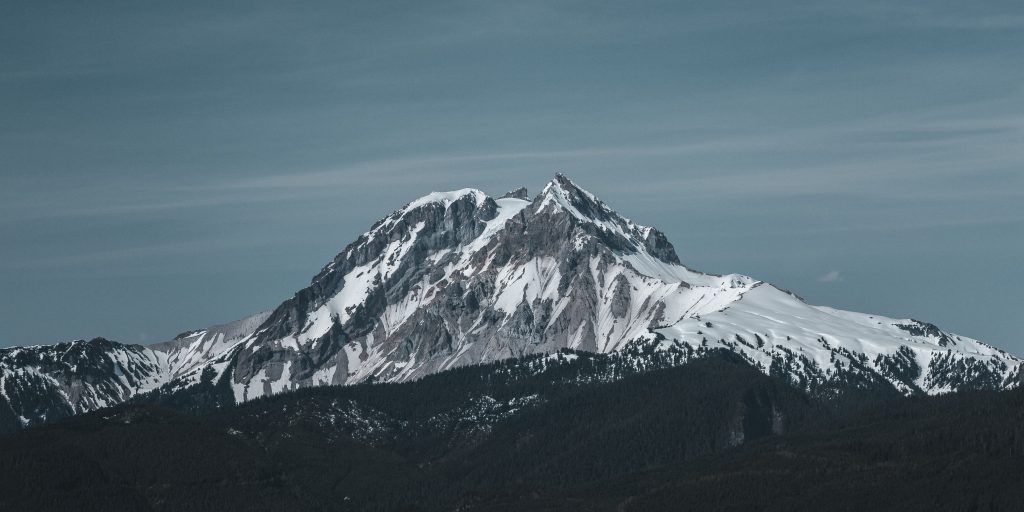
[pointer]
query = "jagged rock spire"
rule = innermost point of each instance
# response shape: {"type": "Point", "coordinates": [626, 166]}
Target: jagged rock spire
{"type": "Point", "coordinates": [518, 193]}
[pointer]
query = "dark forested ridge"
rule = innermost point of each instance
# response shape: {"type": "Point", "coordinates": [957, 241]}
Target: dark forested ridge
{"type": "Point", "coordinates": [561, 432]}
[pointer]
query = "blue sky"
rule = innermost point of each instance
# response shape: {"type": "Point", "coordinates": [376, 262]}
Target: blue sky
{"type": "Point", "coordinates": [168, 166]}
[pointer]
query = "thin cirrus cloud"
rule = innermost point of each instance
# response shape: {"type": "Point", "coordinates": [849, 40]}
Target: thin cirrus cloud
{"type": "Point", "coordinates": [831, 276]}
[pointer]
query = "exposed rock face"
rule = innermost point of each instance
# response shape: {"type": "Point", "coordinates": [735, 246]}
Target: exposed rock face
{"type": "Point", "coordinates": [458, 278]}
{"type": "Point", "coordinates": [519, 193]}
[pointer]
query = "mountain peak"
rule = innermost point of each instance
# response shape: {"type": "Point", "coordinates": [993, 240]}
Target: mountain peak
{"type": "Point", "coordinates": [562, 185]}
{"type": "Point", "coordinates": [562, 193]}
{"type": "Point", "coordinates": [458, 278]}
{"type": "Point", "coordinates": [447, 198]}
{"type": "Point", "coordinates": [563, 180]}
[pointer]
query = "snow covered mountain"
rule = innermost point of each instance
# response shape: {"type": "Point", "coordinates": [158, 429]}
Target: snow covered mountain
{"type": "Point", "coordinates": [458, 278]}
{"type": "Point", "coordinates": [50, 382]}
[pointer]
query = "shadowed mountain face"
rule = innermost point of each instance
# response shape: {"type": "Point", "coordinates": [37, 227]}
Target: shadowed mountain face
{"type": "Point", "coordinates": [460, 278]}
{"type": "Point", "coordinates": [568, 431]}
{"type": "Point", "coordinates": [386, 446]}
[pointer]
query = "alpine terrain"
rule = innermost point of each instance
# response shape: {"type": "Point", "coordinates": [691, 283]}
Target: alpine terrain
{"type": "Point", "coordinates": [461, 278]}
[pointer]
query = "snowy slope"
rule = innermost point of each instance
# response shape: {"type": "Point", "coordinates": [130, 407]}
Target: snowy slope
{"type": "Point", "coordinates": [457, 278]}
{"type": "Point", "coordinates": [50, 382]}
{"type": "Point", "coordinates": [191, 350]}
{"type": "Point", "coordinates": [772, 327]}
{"type": "Point", "coordinates": [54, 381]}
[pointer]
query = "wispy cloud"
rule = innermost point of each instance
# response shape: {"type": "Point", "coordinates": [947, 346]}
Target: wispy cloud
{"type": "Point", "coordinates": [142, 255]}
{"type": "Point", "coordinates": [939, 155]}
{"type": "Point", "coordinates": [832, 276]}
